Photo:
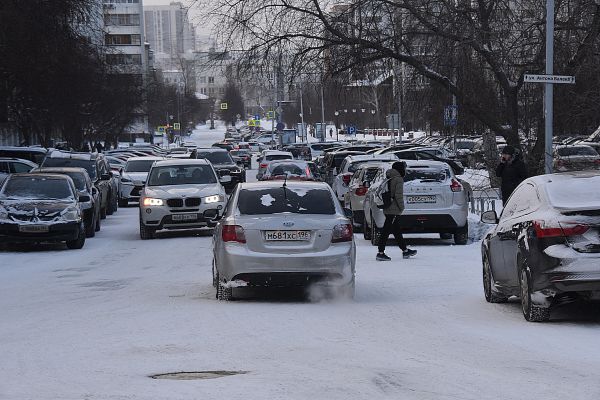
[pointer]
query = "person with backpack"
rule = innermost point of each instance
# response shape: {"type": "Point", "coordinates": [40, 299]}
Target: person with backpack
{"type": "Point", "coordinates": [395, 177]}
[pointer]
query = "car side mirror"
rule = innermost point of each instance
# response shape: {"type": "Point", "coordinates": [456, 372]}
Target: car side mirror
{"type": "Point", "coordinates": [225, 179]}
{"type": "Point", "coordinates": [489, 217]}
{"type": "Point", "coordinates": [105, 177]}
{"type": "Point", "coordinates": [348, 213]}
{"type": "Point", "coordinates": [84, 198]}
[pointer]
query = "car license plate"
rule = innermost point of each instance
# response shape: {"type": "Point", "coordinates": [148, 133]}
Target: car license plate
{"type": "Point", "coordinates": [274, 236]}
{"type": "Point", "coordinates": [33, 228]}
{"type": "Point", "coordinates": [420, 199]}
{"type": "Point", "coordinates": [184, 217]}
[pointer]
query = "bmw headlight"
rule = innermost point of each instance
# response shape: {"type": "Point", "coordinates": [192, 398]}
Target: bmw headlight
{"type": "Point", "coordinates": [214, 199]}
{"type": "Point", "coordinates": [71, 214]}
{"type": "Point", "coordinates": [149, 201]}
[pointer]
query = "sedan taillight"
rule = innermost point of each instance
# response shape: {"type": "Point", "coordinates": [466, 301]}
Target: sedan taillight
{"type": "Point", "coordinates": [346, 178]}
{"type": "Point", "coordinates": [542, 230]}
{"type": "Point", "coordinates": [361, 191]}
{"type": "Point", "coordinates": [342, 233]}
{"type": "Point", "coordinates": [233, 233]}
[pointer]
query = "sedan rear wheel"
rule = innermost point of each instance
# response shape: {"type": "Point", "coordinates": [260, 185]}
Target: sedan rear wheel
{"type": "Point", "coordinates": [224, 293]}
{"type": "Point", "coordinates": [531, 312]}
{"type": "Point", "coordinates": [490, 295]}
{"type": "Point", "coordinates": [461, 236]}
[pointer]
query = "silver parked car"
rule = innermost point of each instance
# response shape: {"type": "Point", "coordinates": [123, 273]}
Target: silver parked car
{"type": "Point", "coordinates": [350, 165]}
{"type": "Point", "coordinates": [134, 178]}
{"type": "Point", "coordinates": [435, 201]}
{"type": "Point", "coordinates": [283, 234]}
{"type": "Point", "coordinates": [180, 194]}
{"type": "Point", "coordinates": [271, 155]}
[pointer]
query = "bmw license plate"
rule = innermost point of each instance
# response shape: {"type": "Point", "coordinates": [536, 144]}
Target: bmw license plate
{"type": "Point", "coordinates": [420, 199]}
{"type": "Point", "coordinates": [275, 236]}
{"type": "Point", "coordinates": [184, 217]}
{"type": "Point", "coordinates": [33, 228]}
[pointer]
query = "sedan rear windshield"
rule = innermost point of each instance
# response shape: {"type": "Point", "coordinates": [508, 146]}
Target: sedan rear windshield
{"type": "Point", "coordinates": [576, 151]}
{"type": "Point", "coordinates": [182, 175]}
{"type": "Point", "coordinates": [139, 165]}
{"type": "Point", "coordinates": [89, 165]}
{"type": "Point", "coordinates": [426, 175]}
{"type": "Point", "coordinates": [37, 188]}
{"type": "Point", "coordinates": [216, 157]}
{"type": "Point", "coordinates": [273, 157]}
{"type": "Point", "coordinates": [279, 200]}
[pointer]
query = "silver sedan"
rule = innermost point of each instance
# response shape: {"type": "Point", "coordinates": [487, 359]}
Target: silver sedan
{"type": "Point", "coordinates": [284, 234]}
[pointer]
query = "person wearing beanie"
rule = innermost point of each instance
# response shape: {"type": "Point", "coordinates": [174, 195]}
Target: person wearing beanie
{"type": "Point", "coordinates": [396, 207]}
{"type": "Point", "coordinates": [512, 170]}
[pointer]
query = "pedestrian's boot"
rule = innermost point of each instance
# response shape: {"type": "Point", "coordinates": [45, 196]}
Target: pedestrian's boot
{"type": "Point", "coordinates": [408, 253]}
{"type": "Point", "coordinates": [382, 257]}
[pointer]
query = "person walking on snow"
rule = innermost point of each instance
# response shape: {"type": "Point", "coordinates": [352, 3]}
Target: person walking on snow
{"type": "Point", "coordinates": [395, 209]}
{"type": "Point", "coordinates": [512, 170]}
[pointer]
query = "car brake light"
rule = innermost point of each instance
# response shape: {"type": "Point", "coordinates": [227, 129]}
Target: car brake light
{"type": "Point", "coordinates": [455, 186]}
{"type": "Point", "coordinates": [233, 233]}
{"type": "Point", "coordinates": [263, 165]}
{"type": "Point", "coordinates": [342, 233]}
{"type": "Point", "coordinates": [361, 191]}
{"type": "Point", "coordinates": [346, 178]}
{"type": "Point", "coordinates": [544, 231]}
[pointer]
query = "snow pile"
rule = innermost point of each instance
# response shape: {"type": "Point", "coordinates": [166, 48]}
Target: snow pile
{"type": "Point", "coordinates": [477, 229]}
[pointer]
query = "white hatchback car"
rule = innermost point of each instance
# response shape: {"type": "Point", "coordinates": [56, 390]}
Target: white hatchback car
{"type": "Point", "coordinates": [268, 156]}
{"type": "Point", "coordinates": [435, 202]}
{"type": "Point", "coordinates": [134, 178]}
{"type": "Point", "coordinates": [180, 194]}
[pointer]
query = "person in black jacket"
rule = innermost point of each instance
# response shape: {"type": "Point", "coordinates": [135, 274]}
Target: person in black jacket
{"type": "Point", "coordinates": [512, 170]}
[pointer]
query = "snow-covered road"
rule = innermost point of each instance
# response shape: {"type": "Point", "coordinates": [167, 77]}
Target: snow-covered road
{"type": "Point", "coordinates": [95, 323]}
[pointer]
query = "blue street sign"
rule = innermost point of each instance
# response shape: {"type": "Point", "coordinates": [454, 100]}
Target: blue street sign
{"type": "Point", "coordinates": [257, 117]}
{"type": "Point", "coordinates": [351, 130]}
{"type": "Point", "coordinates": [450, 115]}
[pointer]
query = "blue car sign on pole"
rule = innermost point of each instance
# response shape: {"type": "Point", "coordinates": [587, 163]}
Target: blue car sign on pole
{"type": "Point", "coordinates": [351, 130]}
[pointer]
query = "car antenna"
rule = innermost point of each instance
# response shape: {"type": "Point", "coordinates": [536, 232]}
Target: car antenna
{"type": "Point", "coordinates": [285, 180]}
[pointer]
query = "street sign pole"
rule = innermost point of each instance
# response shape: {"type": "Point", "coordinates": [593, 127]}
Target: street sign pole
{"type": "Point", "coordinates": [549, 92]}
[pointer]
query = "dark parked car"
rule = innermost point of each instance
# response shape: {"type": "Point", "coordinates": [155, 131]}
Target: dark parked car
{"type": "Point", "coordinates": [546, 245]}
{"type": "Point", "coordinates": [98, 169]}
{"type": "Point", "coordinates": [41, 207]}
{"type": "Point", "coordinates": [242, 156]}
{"type": "Point", "coordinates": [224, 165]}
{"type": "Point", "coordinates": [85, 187]}
{"type": "Point", "coordinates": [34, 154]}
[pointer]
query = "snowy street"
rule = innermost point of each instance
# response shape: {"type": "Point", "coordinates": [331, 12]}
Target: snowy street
{"type": "Point", "coordinates": [97, 322]}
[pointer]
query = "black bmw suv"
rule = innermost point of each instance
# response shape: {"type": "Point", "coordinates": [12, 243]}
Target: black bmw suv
{"type": "Point", "coordinates": [224, 165]}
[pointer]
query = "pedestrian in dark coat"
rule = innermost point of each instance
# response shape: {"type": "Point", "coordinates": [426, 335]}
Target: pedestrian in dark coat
{"type": "Point", "coordinates": [512, 170]}
{"type": "Point", "coordinates": [393, 211]}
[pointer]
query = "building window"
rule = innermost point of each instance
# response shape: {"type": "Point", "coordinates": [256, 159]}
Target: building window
{"type": "Point", "coordinates": [221, 90]}
{"type": "Point", "coordinates": [202, 79]}
{"type": "Point", "coordinates": [211, 79]}
{"type": "Point", "coordinates": [211, 91]}
{"type": "Point", "coordinates": [122, 19]}
{"type": "Point", "coordinates": [121, 1]}
{"type": "Point", "coordinates": [203, 90]}
{"type": "Point", "coordinates": [124, 59]}
{"type": "Point", "coordinates": [123, 40]}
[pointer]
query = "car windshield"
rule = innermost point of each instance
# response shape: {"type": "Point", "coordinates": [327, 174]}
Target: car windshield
{"type": "Point", "coordinates": [78, 180]}
{"type": "Point", "coordinates": [139, 165]}
{"type": "Point", "coordinates": [36, 187]}
{"type": "Point", "coordinates": [426, 175]}
{"type": "Point", "coordinates": [216, 157]}
{"type": "Point", "coordinates": [287, 169]}
{"type": "Point", "coordinates": [273, 157]}
{"type": "Point", "coordinates": [181, 175]}
{"type": "Point", "coordinates": [576, 151]}
{"type": "Point", "coordinates": [465, 145]}
{"type": "Point", "coordinates": [279, 200]}
{"type": "Point", "coordinates": [89, 165]}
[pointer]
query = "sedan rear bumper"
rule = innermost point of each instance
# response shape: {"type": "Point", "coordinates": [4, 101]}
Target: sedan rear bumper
{"type": "Point", "coordinates": [237, 262]}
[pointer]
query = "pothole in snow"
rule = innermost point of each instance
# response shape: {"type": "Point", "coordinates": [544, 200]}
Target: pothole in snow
{"type": "Point", "coordinates": [187, 376]}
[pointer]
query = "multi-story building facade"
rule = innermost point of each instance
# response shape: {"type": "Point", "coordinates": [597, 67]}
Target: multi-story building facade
{"type": "Point", "coordinates": [170, 33]}
{"type": "Point", "coordinates": [127, 52]}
